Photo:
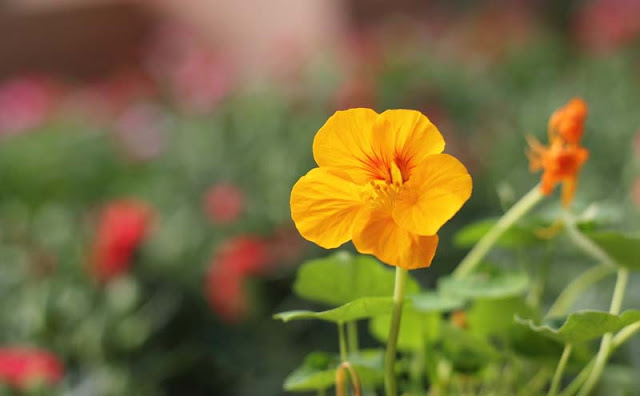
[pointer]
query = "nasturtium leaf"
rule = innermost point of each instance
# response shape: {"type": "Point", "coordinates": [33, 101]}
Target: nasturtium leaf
{"type": "Point", "coordinates": [515, 236]}
{"type": "Point", "coordinates": [484, 285]}
{"type": "Point", "coordinates": [361, 308]}
{"type": "Point", "coordinates": [318, 371]}
{"type": "Point", "coordinates": [581, 326]}
{"type": "Point", "coordinates": [435, 302]}
{"type": "Point", "coordinates": [623, 248]}
{"type": "Point", "coordinates": [495, 316]}
{"type": "Point", "coordinates": [342, 277]}
{"type": "Point", "coordinates": [416, 329]}
{"type": "Point", "coordinates": [467, 351]}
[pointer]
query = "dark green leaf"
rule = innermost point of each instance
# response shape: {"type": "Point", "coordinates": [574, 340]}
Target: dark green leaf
{"type": "Point", "coordinates": [623, 248]}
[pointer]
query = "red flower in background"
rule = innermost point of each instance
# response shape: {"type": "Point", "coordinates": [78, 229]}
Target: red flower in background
{"type": "Point", "coordinates": [123, 225]}
{"type": "Point", "coordinates": [236, 259]}
{"type": "Point", "coordinates": [225, 292]}
{"type": "Point", "coordinates": [224, 203]}
{"type": "Point", "coordinates": [25, 103]}
{"type": "Point", "coordinates": [20, 367]}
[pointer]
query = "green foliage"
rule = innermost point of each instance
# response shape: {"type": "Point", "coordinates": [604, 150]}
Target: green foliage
{"type": "Point", "coordinates": [485, 285]}
{"type": "Point", "coordinates": [361, 308]}
{"type": "Point", "coordinates": [623, 248]}
{"type": "Point", "coordinates": [318, 371]}
{"type": "Point", "coordinates": [516, 236]}
{"type": "Point", "coordinates": [342, 277]}
{"type": "Point", "coordinates": [581, 326]}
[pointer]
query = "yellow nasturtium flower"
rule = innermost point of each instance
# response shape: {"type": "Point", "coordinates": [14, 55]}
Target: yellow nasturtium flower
{"type": "Point", "coordinates": [383, 182]}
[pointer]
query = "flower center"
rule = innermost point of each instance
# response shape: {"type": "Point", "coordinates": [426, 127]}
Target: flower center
{"type": "Point", "coordinates": [382, 193]}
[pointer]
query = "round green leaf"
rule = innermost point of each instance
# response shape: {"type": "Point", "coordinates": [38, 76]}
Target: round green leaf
{"type": "Point", "coordinates": [484, 285]}
{"type": "Point", "coordinates": [342, 277]}
{"type": "Point", "coordinates": [435, 302]}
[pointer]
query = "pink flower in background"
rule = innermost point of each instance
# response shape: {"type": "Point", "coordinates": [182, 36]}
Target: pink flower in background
{"type": "Point", "coordinates": [224, 203]}
{"type": "Point", "coordinates": [123, 225]}
{"type": "Point", "coordinates": [604, 25]}
{"type": "Point", "coordinates": [104, 100]}
{"type": "Point", "coordinates": [25, 103]}
{"type": "Point", "coordinates": [140, 130]}
{"type": "Point", "coordinates": [197, 77]}
{"type": "Point", "coordinates": [20, 367]}
{"type": "Point", "coordinates": [225, 293]}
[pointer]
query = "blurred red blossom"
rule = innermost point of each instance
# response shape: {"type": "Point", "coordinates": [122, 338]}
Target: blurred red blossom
{"type": "Point", "coordinates": [603, 25]}
{"type": "Point", "coordinates": [21, 367]}
{"type": "Point", "coordinates": [286, 246]}
{"type": "Point", "coordinates": [225, 292]}
{"type": "Point", "coordinates": [224, 203]}
{"type": "Point", "coordinates": [245, 255]}
{"type": "Point", "coordinates": [123, 225]}
{"type": "Point", "coordinates": [25, 103]}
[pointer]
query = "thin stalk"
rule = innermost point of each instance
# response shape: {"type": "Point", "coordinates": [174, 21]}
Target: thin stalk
{"type": "Point", "coordinates": [578, 286]}
{"type": "Point", "coordinates": [515, 213]}
{"type": "Point", "coordinates": [352, 337]}
{"type": "Point", "coordinates": [557, 377]}
{"type": "Point", "coordinates": [394, 329]}
{"type": "Point", "coordinates": [605, 344]}
{"type": "Point", "coordinates": [340, 380]}
{"type": "Point", "coordinates": [343, 342]}
{"type": "Point", "coordinates": [322, 392]}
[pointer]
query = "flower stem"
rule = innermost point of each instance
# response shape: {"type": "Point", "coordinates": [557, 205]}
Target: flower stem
{"type": "Point", "coordinates": [352, 336]}
{"type": "Point", "coordinates": [577, 287]}
{"type": "Point", "coordinates": [394, 329]}
{"type": "Point", "coordinates": [557, 377]}
{"type": "Point", "coordinates": [605, 344]}
{"type": "Point", "coordinates": [517, 211]}
{"type": "Point", "coordinates": [585, 243]}
{"type": "Point", "coordinates": [343, 342]}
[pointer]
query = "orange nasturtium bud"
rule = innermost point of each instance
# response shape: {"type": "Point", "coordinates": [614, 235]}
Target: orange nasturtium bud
{"type": "Point", "coordinates": [562, 160]}
{"type": "Point", "coordinates": [383, 182]}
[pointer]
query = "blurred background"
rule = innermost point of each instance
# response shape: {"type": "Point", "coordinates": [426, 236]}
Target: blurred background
{"type": "Point", "coordinates": [148, 149]}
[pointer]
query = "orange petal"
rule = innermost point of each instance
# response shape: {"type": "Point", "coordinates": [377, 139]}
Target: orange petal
{"type": "Point", "coordinates": [407, 137]}
{"type": "Point", "coordinates": [376, 233]}
{"type": "Point", "coordinates": [345, 142]}
{"type": "Point", "coordinates": [324, 206]}
{"type": "Point", "coordinates": [435, 192]}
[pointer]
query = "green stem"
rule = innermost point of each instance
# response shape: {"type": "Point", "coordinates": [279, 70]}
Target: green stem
{"type": "Point", "coordinates": [605, 344]}
{"type": "Point", "coordinates": [620, 338]}
{"type": "Point", "coordinates": [585, 243]}
{"type": "Point", "coordinates": [578, 286]}
{"type": "Point", "coordinates": [394, 329]}
{"type": "Point", "coordinates": [343, 343]}
{"type": "Point", "coordinates": [477, 253]}
{"type": "Point", "coordinates": [557, 377]}
{"type": "Point", "coordinates": [322, 392]}
{"type": "Point", "coordinates": [352, 337]}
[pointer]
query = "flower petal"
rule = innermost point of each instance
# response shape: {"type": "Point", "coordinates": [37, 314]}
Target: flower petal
{"type": "Point", "coordinates": [324, 206]}
{"type": "Point", "coordinates": [437, 189]}
{"type": "Point", "coordinates": [345, 142]}
{"type": "Point", "coordinates": [407, 137]}
{"type": "Point", "coordinates": [376, 233]}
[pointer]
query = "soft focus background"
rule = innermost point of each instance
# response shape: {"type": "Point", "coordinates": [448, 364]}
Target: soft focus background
{"type": "Point", "coordinates": [148, 148]}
